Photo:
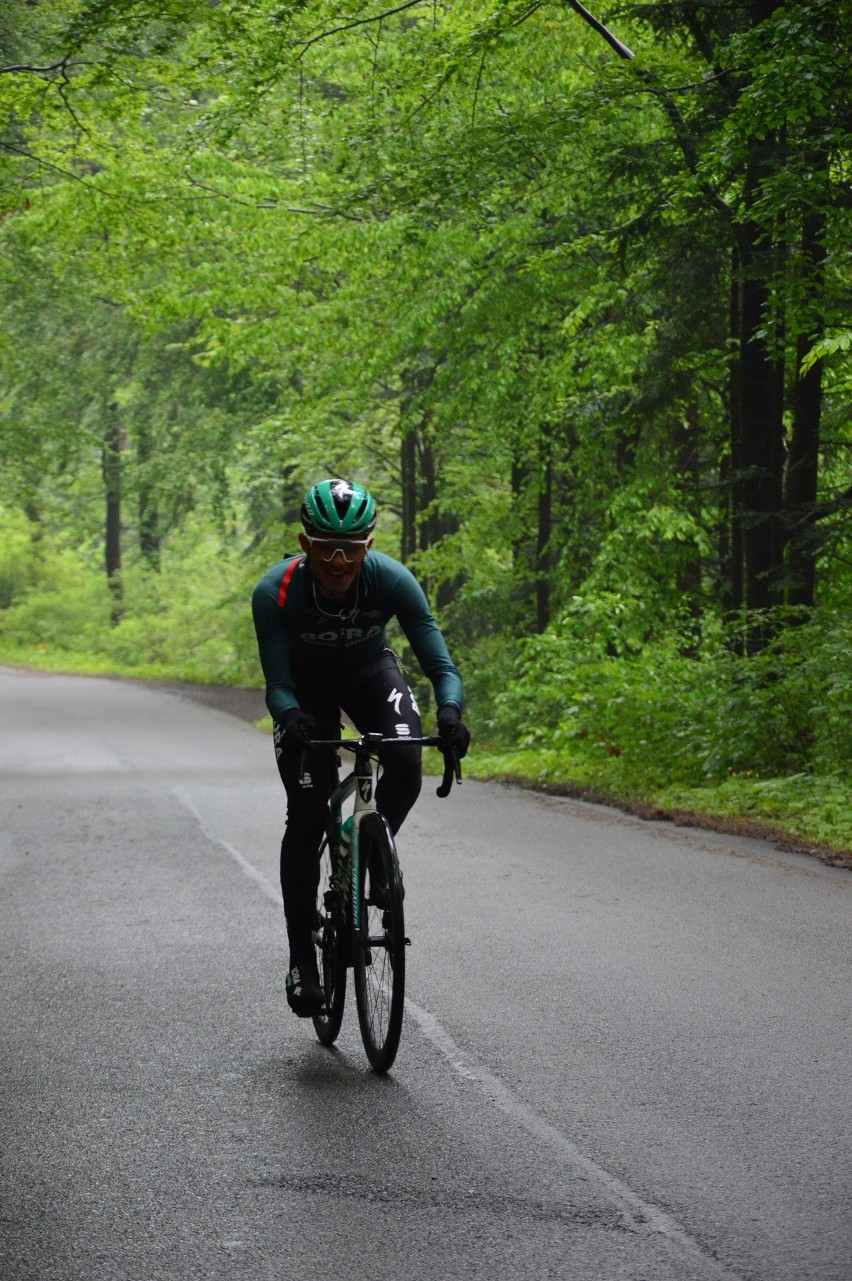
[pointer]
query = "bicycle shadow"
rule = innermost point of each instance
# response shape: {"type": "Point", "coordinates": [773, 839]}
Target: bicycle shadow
{"type": "Point", "coordinates": [320, 1069]}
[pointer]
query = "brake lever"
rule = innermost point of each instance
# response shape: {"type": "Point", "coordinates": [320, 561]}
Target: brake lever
{"type": "Point", "coordinates": [452, 770]}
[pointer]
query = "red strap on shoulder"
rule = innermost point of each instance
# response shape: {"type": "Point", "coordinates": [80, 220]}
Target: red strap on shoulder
{"type": "Point", "coordinates": [285, 581]}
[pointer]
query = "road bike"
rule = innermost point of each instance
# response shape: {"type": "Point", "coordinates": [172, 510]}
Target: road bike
{"type": "Point", "coordinates": [360, 922]}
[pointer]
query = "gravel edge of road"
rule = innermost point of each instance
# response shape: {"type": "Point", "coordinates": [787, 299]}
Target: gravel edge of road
{"type": "Point", "coordinates": [248, 705]}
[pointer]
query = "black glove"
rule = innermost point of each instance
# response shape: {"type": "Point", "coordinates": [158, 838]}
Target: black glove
{"type": "Point", "coordinates": [297, 727]}
{"type": "Point", "coordinates": [452, 729]}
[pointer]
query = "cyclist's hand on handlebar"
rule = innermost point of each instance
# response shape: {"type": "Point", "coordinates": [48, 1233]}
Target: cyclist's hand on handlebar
{"type": "Point", "coordinates": [297, 727]}
{"type": "Point", "coordinates": [452, 729]}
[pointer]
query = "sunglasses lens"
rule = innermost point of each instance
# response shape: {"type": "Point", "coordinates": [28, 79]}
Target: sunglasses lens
{"type": "Point", "coordinates": [348, 547]}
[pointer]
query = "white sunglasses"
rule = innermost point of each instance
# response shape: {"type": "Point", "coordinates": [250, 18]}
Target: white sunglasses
{"type": "Point", "coordinates": [348, 547]}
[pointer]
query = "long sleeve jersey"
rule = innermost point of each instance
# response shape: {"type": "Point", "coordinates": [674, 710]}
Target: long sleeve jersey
{"type": "Point", "coordinates": [295, 636]}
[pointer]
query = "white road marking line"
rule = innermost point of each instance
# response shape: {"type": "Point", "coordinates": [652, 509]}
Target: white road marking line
{"type": "Point", "coordinates": [271, 891]}
{"type": "Point", "coordinates": [644, 1215]}
{"type": "Point", "coordinates": [646, 1218]}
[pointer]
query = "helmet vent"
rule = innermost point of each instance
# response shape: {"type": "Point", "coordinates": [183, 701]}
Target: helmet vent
{"type": "Point", "coordinates": [339, 507]}
{"type": "Point", "coordinates": [342, 493]}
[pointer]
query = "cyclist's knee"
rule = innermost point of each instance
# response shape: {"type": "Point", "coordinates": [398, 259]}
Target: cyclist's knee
{"type": "Point", "coordinates": [403, 771]}
{"type": "Point", "coordinates": [399, 786]}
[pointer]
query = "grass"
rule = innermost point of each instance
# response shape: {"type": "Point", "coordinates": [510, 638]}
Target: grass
{"type": "Point", "coordinates": [43, 659]}
{"type": "Point", "coordinates": [809, 812]}
{"type": "Point", "coordinates": [813, 814]}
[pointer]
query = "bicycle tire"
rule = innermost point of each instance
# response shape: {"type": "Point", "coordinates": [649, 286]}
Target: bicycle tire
{"type": "Point", "coordinates": [380, 949]}
{"type": "Point", "coordinates": [329, 940]}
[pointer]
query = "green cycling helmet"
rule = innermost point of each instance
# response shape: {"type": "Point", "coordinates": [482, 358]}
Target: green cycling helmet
{"type": "Point", "coordinates": [340, 507]}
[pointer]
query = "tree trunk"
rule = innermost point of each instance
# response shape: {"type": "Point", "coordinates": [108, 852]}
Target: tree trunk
{"type": "Point", "coordinates": [803, 459]}
{"type": "Point", "coordinates": [112, 447]}
{"type": "Point", "coordinates": [760, 479]}
{"type": "Point", "coordinates": [759, 486]}
{"type": "Point", "coordinates": [731, 549]}
{"type": "Point", "coordinates": [416, 379]}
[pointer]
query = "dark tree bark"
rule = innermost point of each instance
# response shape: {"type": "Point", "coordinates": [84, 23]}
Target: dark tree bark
{"type": "Point", "coordinates": [112, 473]}
{"type": "Point", "coordinates": [758, 481]}
{"type": "Point", "coordinates": [803, 459]}
{"type": "Point", "coordinates": [731, 548]}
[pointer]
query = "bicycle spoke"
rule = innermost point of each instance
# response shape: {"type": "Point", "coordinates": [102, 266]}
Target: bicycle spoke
{"type": "Point", "coordinates": [328, 940]}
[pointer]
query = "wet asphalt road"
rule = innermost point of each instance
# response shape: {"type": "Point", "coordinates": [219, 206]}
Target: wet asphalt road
{"type": "Point", "coordinates": [626, 1053]}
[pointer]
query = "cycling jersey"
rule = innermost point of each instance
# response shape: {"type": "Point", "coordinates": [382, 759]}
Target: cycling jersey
{"type": "Point", "coordinates": [301, 635]}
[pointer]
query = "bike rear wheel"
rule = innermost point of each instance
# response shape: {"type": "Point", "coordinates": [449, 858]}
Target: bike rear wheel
{"type": "Point", "coordinates": [329, 940]}
{"type": "Point", "coordinates": [380, 949]}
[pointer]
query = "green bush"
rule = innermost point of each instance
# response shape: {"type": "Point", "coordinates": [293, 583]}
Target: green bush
{"type": "Point", "coordinates": [191, 619]}
{"type": "Point", "coordinates": [19, 561]}
{"type": "Point", "coordinates": [68, 611]}
{"type": "Point", "coordinates": [665, 714]}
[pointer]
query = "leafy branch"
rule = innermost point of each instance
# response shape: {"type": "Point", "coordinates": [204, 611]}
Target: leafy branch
{"type": "Point", "coordinates": [28, 68]}
{"type": "Point", "coordinates": [359, 22]}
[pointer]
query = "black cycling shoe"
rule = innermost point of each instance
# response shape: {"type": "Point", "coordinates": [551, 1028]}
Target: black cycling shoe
{"type": "Point", "coordinates": [304, 994]}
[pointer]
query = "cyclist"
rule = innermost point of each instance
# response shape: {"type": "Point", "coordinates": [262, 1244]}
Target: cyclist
{"type": "Point", "coordinates": [320, 619]}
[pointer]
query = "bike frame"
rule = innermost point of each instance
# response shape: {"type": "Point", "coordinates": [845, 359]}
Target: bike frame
{"type": "Point", "coordinates": [357, 932]}
{"type": "Point", "coordinates": [360, 782]}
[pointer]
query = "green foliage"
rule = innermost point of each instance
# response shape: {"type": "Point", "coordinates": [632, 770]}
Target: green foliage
{"type": "Point", "coordinates": [67, 609]}
{"type": "Point", "coordinates": [662, 715]}
{"type": "Point", "coordinates": [469, 256]}
{"type": "Point", "coordinates": [189, 620]}
{"type": "Point", "coordinates": [765, 739]}
{"type": "Point", "coordinates": [19, 561]}
{"type": "Point", "coordinates": [827, 347]}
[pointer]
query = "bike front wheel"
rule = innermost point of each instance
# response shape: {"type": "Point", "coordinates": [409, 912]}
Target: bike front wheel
{"type": "Point", "coordinates": [380, 946]}
{"type": "Point", "coordinates": [329, 941]}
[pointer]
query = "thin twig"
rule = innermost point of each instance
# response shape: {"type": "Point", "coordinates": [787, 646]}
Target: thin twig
{"type": "Point", "coordinates": [359, 22]}
{"type": "Point", "coordinates": [318, 211]}
{"type": "Point", "coordinates": [476, 88]}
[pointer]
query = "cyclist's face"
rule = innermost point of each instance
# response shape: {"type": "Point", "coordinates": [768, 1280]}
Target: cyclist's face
{"type": "Point", "coordinates": [335, 568]}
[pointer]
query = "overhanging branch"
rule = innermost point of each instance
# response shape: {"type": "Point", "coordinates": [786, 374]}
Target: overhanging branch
{"type": "Point", "coordinates": [25, 67]}
{"type": "Point", "coordinates": [620, 49]}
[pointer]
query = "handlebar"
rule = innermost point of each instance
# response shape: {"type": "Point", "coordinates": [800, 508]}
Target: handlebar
{"type": "Point", "coordinates": [370, 742]}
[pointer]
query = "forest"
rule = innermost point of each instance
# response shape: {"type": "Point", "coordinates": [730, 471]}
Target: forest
{"type": "Point", "coordinates": [569, 291]}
